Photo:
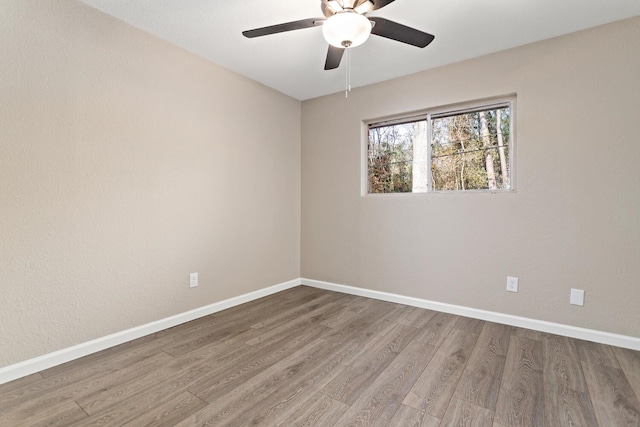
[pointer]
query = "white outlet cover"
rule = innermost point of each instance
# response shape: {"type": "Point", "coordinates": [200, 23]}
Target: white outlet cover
{"type": "Point", "coordinates": [577, 297]}
{"type": "Point", "coordinates": [512, 284]}
{"type": "Point", "coordinates": [193, 280]}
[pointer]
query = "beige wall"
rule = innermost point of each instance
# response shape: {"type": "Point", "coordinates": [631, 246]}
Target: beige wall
{"type": "Point", "coordinates": [574, 220]}
{"type": "Point", "coordinates": [125, 164]}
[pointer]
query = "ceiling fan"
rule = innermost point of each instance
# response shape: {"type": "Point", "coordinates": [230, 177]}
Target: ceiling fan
{"type": "Point", "coordinates": [346, 25]}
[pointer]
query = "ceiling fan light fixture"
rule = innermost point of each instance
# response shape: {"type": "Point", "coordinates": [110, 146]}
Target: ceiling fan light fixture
{"type": "Point", "coordinates": [346, 29]}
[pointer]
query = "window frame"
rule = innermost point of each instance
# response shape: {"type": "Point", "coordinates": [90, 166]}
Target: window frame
{"type": "Point", "coordinates": [439, 112]}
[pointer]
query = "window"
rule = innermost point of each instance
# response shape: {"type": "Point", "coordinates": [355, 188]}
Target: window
{"type": "Point", "coordinates": [464, 149]}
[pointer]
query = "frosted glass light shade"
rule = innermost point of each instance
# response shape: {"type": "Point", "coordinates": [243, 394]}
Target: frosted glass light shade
{"type": "Point", "coordinates": [346, 29]}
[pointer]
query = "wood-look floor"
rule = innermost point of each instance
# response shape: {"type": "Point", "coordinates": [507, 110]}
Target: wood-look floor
{"type": "Point", "coordinates": [311, 357]}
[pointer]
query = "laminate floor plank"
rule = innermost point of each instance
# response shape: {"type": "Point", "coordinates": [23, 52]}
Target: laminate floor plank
{"type": "Point", "coordinates": [54, 392]}
{"type": "Point", "coordinates": [403, 311]}
{"type": "Point", "coordinates": [174, 377]}
{"type": "Point", "coordinates": [241, 316]}
{"type": "Point", "coordinates": [521, 402]}
{"type": "Point", "coordinates": [352, 300]}
{"type": "Point", "coordinates": [225, 325]}
{"type": "Point", "coordinates": [562, 363]}
{"type": "Point", "coordinates": [365, 328]}
{"type": "Point", "coordinates": [249, 317]}
{"type": "Point", "coordinates": [16, 390]}
{"type": "Point", "coordinates": [613, 398]}
{"type": "Point", "coordinates": [162, 385]}
{"type": "Point", "coordinates": [213, 349]}
{"type": "Point", "coordinates": [299, 293]}
{"type": "Point", "coordinates": [119, 355]}
{"type": "Point", "coordinates": [145, 410]}
{"type": "Point", "coordinates": [629, 361]}
{"type": "Point", "coordinates": [216, 336]}
{"type": "Point", "coordinates": [437, 329]}
{"type": "Point", "coordinates": [62, 414]}
{"type": "Point", "coordinates": [277, 407]}
{"type": "Point", "coordinates": [308, 356]}
{"type": "Point", "coordinates": [274, 408]}
{"type": "Point", "coordinates": [566, 407]}
{"type": "Point", "coordinates": [169, 412]}
{"type": "Point", "coordinates": [288, 300]}
{"type": "Point", "coordinates": [528, 333]}
{"type": "Point", "coordinates": [319, 410]}
{"type": "Point", "coordinates": [380, 401]}
{"type": "Point", "coordinates": [481, 378]}
{"type": "Point", "coordinates": [597, 354]}
{"type": "Point", "coordinates": [614, 402]}
{"type": "Point", "coordinates": [407, 416]}
{"type": "Point", "coordinates": [433, 390]}
{"type": "Point", "coordinates": [234, 404]}
{"type": "Point", "coordinates": [418, 317]}
{"type": "Point", "coordinates": [237, 370]}
{"type": "Point", "coordinates": [463, 413]}
{"type": "Point", "coordinates": [469, 325]}
{"type": "Point", "coordinates": [349, 312]}
{"type": "Point", "coordinates": [295, 325]}
{"type": "Point", "coordinates": [301, 310]}
{"type": "Point", "coordinates": [171, 376]}
{"type": "Point", "coordinates": [357, 375]}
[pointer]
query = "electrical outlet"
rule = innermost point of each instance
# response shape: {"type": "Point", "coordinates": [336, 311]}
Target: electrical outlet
{"type": "Point", "coordinates": [512, 284]}
{"type": "Point", "coordinates": [577, 297]}
{"type": "Point", "coordinates": [193, 280]}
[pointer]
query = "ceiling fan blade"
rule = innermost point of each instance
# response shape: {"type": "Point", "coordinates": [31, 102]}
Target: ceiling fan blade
{"type": "Point", "coordinates": [334, 56]}
{"type": "Point", "coordinates": [379, 4]}
{"type": "Point", "coordinates": [281, 28]}
{"type": "Point", "coordinates": [398, 32]}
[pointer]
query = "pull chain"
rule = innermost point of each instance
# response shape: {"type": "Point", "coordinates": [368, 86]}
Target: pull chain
{"type": "Point", "coordinates": [347, 82]}
{"type": "Point", "coordinates": [346, 45]}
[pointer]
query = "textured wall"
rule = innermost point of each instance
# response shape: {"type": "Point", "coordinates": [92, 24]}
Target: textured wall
{"type": "Point", "coordinates": [574, 220]}
{"type": "Point", "coordinates": [125, 164]}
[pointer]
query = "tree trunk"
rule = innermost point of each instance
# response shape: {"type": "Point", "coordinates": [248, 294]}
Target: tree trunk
{"type": "Point", "coordinates": [506, 182]}
{"type": "Point", "coordinates": [488, 155]}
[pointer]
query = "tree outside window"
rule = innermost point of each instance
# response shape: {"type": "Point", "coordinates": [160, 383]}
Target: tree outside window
{"type": "Point", "coordinates": [445, 151]}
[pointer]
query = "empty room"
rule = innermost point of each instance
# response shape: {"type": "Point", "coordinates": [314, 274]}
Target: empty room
{"type": "Point", "coordinates": [329, 213]}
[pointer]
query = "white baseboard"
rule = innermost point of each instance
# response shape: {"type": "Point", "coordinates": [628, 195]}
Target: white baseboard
{"type": "Point", "coordinates": [632, 343]}
{"type": "Point", "coordinates": [40, 363]}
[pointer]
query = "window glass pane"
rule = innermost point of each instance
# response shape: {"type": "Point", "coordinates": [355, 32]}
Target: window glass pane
{"type": "Point", "coordinates": [470, 151]}
{"type": "Point", "coordinates": [390, 158]}
{"type": "Point", "coordinates": [460, 150]}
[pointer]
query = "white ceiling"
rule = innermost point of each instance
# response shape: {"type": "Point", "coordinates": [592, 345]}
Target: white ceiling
{"type": "Point", "coordinates": [293, 62]}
